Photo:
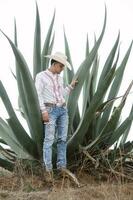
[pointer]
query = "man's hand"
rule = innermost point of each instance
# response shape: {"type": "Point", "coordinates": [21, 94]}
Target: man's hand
{"type": "Point", "coordinates": [73, 83]}
{"type": "Point", "coordinates": [45, 117]}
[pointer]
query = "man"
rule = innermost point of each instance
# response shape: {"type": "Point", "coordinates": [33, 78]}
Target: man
{"type": "Point", "coordinates": [51, 95]}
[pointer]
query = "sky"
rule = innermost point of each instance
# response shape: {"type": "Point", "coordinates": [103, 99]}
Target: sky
{"type": "Point", "coordinates": [79, 18]}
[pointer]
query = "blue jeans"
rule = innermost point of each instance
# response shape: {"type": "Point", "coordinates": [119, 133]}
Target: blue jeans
{"type": "Point", "coordinates": [58, 123]}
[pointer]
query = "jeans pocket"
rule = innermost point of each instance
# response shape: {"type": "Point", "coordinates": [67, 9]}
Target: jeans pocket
{"type": "Point", "coordinates": [65, 108]}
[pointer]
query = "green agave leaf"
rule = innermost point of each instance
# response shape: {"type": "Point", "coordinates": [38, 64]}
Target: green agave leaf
{"type": "Point", "coordinates": [109, 61]}
{"type": "Point", "coordinates": [90, 113]}
{"type": "Point", "coordinates": [104, 136]}
{"type": "Point", "coordinates": [37, 45]}
{"type": "Point", "coordinates": [111, 125]}
{"type": "Point", "coordinates": [7, 154]}
{"type": "Point", "coordinates": [86, 55]}
{"type": "Point", "coordinates": [25, 103]}
{"type": "Point", "coordinates": [69, 75]}
{"type": "Point", "coordinates": [13, 73]}
{"type": "Point", "coordinates": [22, 103]}
{"type": "Point", "coordinates": [21, 108]}
{"type": "Point", "coordinates": [15, 33]}
{"type": "Point", "coordinates": [121, 129]}
{"type": "Point", "coordinates": [89, 86]}
{"type": "Point", "coordinates": [89, 146]}
{"type": "Point", "coordinates": [86, 92]}
{"type": "Point", "coordinates": [81, 76]}
{"type": "Point", "coordinates": [28, 145]}
{"type": "Point", "coordinates": [6, 164]}
{"type": "Point", "coordinates": [65, 80]}
{"type": "Point", "coordinates": [30, 97]}
{"type": "Point", "coordinates": [51, 44]}
{"type": "Point", "coordinates": [31, 111]}
{"type": "Point", "coordinates": [93, 125]}
{"type": "Point", "coordinates": [126, 133]}
{"type": "Point", "coordinates": [128, 146]}
{"type": "Point", "coordinates": [86, 84]}
{"type": "Point", "coordinates": [126, 149]}
{"type": "Point", "coordinates": [20, 133]}
{"type": "Point", "coordinates": [107, 103]}
{"type": "Point", "coordinates": [98, 120]}
{"type": "Point", "coordinates": [87, 47]}
{"type": "Point", "coordinates": [115, 86]}
{"type": "Point", "coordinates": [8, 131]}
{"type": "Point", "coordinates": [11, 140]}
{"type": "Point", "coordinates": [2, 141]}
{"type": "Point", "coordinates": [45, 51]}
{"type": "Point", "coordinates": [94, 76]}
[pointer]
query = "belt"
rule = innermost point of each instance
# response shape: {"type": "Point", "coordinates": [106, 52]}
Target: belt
{"type": "Point", "coordinates": [54, 105]}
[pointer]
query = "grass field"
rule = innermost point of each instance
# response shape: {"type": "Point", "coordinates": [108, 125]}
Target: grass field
{"type": "Point", "coordinates": [14, 187]}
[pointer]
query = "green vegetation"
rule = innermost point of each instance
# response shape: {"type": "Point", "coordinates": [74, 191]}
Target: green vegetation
{"type": "Point", "coordinates": [92, 133]}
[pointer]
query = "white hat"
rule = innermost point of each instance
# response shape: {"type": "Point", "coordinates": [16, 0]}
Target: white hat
{"type": "Point", "coordinates": [60, 57]}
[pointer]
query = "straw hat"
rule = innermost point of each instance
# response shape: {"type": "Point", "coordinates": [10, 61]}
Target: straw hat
{"type": "Point", "coordinates": [60, 57]}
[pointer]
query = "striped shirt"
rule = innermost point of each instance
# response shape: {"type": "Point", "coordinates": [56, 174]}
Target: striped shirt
{"type": "Point", "coordinates": [50, 89]}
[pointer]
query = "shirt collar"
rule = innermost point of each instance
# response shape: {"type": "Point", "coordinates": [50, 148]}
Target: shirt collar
{"type": "Point", "coordinates": [50, 73]}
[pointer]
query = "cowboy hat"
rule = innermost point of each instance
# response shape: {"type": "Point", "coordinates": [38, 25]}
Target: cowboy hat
{"type": "Point", "coordinates": [60, 57]}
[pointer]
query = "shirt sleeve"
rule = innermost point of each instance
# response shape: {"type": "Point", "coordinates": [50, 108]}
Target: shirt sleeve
{"type": "Point", "coordinates": [67, 90]}
{"type": "Point", "coordinates": [40, 88]}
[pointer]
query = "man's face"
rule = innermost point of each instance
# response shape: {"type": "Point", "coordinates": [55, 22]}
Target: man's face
{"type": "Point", "coordinates": [59, 67]}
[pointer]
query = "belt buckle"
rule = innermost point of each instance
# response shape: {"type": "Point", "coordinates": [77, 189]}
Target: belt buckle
{"type": "Point", "coordinates": [61, 104]}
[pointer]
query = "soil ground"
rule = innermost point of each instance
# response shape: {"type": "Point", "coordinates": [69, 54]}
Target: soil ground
{"type": "Point", "coordinates": [14, 187]}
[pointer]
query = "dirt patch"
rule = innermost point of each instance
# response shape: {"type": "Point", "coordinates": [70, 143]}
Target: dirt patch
{"type": "Point", "coordinates": [13, 187]}
{"type": "Point", "coordinates": [89, 192]}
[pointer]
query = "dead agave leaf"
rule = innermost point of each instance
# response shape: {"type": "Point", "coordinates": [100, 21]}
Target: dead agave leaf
{"type": "Point", "coordinates": [71, 176]}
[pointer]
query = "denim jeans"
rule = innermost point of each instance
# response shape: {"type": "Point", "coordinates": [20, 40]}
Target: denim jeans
{"type": "Point", "coordinates": [57, 127]}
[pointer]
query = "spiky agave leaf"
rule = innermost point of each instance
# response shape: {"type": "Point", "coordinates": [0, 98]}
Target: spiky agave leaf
{"type": "Point", "coordinates": [92, 90]}
{"type": "Point", "coordinates": [37, 45]}
{"type": "Point", "coordinates": [115, 86]}
{"type": "Point", "coordinates": [47, 46]}
{"type": "Point", "coordinates": [126, 133]}
{"type": "Point", "coordinates": [68, 75]}
{"type": "Point", "coordinates": [30, 96]}
{"type": "Point", "coordinates": [81, 76]}
{"type": "Point", "coordinates": [121, 129]}
{"type": "Point", "coordinates": [89, 86]}
{"type": "Point", "coordinates": [9, 137]}
{"type": "Point", "coordinates": [79, 134]}
{"type": "Point", "coordinates": [20, 105]}
{"type": "Point", "coordinates": [109, 61]}
{"type": "Point", "coordinates": [94, 99]}
{"type": "Point", "coordinates": [2, 141]}
{"type": "Point", "coordinates": [106, 137]}
{"type": "Point", "coordinates": [18, 130]}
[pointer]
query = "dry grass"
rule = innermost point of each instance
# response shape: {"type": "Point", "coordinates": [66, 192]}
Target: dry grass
{"type": "Point", "coordinates": [14, 187]}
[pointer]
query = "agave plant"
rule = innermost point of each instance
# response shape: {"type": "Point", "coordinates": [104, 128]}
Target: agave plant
{"type": "Point", "coordinates": [97, 128]}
